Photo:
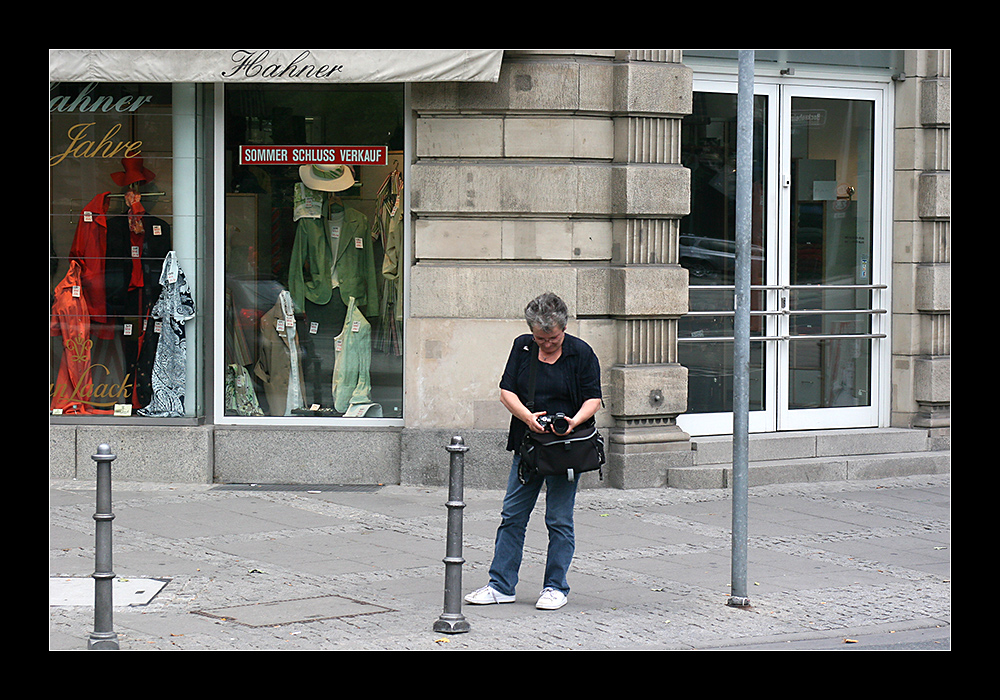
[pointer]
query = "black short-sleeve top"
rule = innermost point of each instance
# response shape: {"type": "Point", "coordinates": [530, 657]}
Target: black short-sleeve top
{"type": "Point", "coordinates": [561, 387]}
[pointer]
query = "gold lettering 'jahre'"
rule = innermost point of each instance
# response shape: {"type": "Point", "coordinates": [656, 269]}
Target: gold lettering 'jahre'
{"type": "Point", "coordinates": [81, 147]}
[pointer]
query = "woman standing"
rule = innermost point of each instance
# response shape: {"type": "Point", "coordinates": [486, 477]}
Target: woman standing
{"type": "Point", "coordinates": [568, 381]}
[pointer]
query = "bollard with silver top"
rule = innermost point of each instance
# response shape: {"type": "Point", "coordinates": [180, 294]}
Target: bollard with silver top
{"type": "Point", "coordinates": [452, 620]}
{"type": "Point", "coordinates": [103, 636]}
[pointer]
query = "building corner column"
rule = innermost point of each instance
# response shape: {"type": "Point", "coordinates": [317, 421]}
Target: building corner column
{"type": "Point", "coordinates": [648, 289]}
{"type": "Point", "coordinates": [922, 250]}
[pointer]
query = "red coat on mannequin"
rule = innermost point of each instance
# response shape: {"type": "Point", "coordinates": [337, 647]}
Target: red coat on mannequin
{"type": "Point", "coordinates": [89, 248]}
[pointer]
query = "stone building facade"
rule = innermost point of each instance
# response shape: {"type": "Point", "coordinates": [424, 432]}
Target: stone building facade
{"type": "Point", "coordinates": [565, 173]}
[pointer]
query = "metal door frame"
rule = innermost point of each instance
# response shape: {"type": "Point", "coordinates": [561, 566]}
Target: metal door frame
{"type": "Point", "coordinates": [776, 415]}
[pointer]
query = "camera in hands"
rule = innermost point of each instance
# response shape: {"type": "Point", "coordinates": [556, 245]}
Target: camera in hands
{"type": "Point", "coordinates": [556, 423]}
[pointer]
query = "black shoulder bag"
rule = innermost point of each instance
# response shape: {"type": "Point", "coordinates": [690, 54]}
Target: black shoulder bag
{"type": "Point", "coordinates": [548, 454]}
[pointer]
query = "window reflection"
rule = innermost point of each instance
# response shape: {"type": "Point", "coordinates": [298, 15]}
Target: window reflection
{"type": "Point", "coordinates": [708, 251]}
{"type": "Point", "coordinates": [831, 252]}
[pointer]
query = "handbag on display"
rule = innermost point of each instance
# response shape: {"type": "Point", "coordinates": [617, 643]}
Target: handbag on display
{"type": "Point", "coordinates": [548, 453]}
{"type": "Point", "coordinates": [241, 399]}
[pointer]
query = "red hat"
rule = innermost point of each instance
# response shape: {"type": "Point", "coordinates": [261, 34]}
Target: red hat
{"type": "Point", "coordinates": [134, 172]}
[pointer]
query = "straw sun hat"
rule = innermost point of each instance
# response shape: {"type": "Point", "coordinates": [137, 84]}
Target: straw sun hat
{"type": "Point", "coordinates": [326, 178]}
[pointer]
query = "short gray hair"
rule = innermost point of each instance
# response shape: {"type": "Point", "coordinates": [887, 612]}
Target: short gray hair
{"type": "Point", "coordinates": [546, 312]}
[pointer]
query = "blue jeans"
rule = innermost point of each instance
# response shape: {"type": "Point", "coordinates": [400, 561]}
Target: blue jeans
{"type": "Point", "coordinates": [560, 499]}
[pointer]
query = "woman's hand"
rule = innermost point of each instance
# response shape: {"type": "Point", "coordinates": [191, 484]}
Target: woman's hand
{"type": "Point", "coordinates": [531, 420]}
{"type": "Point", "coordinates": [521, 412]}
{"type": "Point", "coordinates": [517, 409]}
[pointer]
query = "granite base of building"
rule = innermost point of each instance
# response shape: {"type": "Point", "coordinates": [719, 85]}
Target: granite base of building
{"type": "Point", "coordinates": [817, 455]}
{"type": "Point", "coordinates": [645, 465]}
{"type": "Point", "coordinates": [142, 453]}
{"type": "Point", "coordinates": [227, 454]}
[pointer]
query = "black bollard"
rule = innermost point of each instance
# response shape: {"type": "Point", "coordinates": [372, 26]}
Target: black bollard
{"type": "Point", "coordinates": [103, 636]}
{"type": "Point", "coordinates": [452, 620]}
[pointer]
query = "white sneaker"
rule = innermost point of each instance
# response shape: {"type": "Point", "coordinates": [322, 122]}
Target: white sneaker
{"type": "Point", "coordinates": [487, 595]}
{"type": "Point", "coordinates": [551, 599]}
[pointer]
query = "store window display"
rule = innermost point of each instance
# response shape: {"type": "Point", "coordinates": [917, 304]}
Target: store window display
{"type": "Point", "coordinates": [313, 283]}
{"type": "Point", "coordinates": [112, 253]}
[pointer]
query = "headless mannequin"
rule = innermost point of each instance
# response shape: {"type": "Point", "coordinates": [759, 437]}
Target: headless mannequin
{"type": "Point", "coordinates": [337, 358]}
{"type": "Point", "coordinates": [329, 319]}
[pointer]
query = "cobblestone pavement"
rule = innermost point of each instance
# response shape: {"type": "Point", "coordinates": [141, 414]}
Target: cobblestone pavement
{"type": "Point", "coordinates": [829, 564]}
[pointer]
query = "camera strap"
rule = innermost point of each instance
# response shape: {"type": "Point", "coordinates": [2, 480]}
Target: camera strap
{"type": "Point", "coordinates": [532, 373]}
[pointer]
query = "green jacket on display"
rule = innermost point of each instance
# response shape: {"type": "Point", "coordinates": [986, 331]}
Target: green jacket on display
{"type": "Point", "coordinates": [352, 365]}
{"type": "Point", "coordinates": [314, 262]}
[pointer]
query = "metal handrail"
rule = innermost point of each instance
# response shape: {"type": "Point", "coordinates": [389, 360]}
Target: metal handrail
{"type": "Point", "coordinates": [787, 312]}
{"type": "Point", "coordinates": [755, 287]}
{"type": "Point", "coordinates": [808, 312]}
{"type": "Point", "coordinates": [760, 338]}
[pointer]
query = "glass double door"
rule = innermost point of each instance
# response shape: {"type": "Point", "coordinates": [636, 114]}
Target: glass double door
{"type": "Point", "coordinates": [818, 275]}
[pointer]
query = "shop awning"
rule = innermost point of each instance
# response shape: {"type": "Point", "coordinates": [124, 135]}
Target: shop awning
{"type": "Point", "coordinates": [314, 66]}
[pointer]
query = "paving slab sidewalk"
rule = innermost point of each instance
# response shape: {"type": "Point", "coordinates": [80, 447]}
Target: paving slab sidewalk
{"type": "Point", "coordinates": [830, 565]}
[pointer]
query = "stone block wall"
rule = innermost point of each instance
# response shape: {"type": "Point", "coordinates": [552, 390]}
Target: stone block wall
{"type": "Point", "coordinates": [564, 176]}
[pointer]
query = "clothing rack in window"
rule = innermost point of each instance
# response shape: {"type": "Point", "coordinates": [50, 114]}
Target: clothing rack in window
{"type": "Point", "coordinates": [144, 194]}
